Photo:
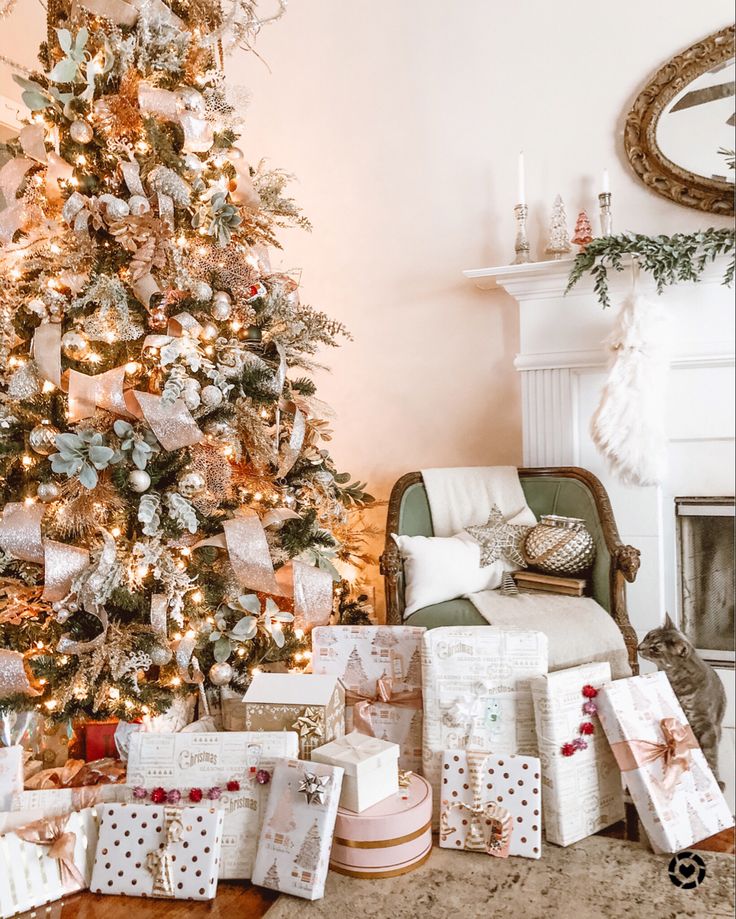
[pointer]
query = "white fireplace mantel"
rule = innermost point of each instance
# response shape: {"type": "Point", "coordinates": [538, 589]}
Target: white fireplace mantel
{"type": "Point", "coordinates": [562, 363]}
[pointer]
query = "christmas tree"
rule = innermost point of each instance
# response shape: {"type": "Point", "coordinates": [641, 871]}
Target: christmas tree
{"type": "Point", "coordinates": [272, 879]}
{"type": "Point", "coordinates": [354, 676]}
{"type": "Point", "coordinates": [583, 231]}
{"type": "Point", "coordinates": [308, 855]}
{"type": "Point", "coordinates": [413, 674]}
{"type": "Point", "coordinates": [559, 242]}
{"type": "Point", "coordinates": [282, 820]}
{"type": "Point", "coordinates": [170, 516]}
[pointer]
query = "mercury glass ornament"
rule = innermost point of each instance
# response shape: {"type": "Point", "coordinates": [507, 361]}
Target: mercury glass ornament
{"type": "Point", "coordinates": [209, 331]}
{"type": "Point", "coordinates": [192, 484]}
{"type": "Point", "coordinates": [222, 306]}
{"type": "Point", "coordinates": [221, 673]}
{"type": "Point", "coordinates": [81, 131]}
{"type": "Point", "coordinates": [117, 209]}
{"type": "Point", "coordinates": [43, 439]}
{"type": "Point", "coordinates": [139, 480]}
{"type": "Point", "coordinates": [47, 492]}
{"type": "Point", "coordinates": [74, 345]}
{"type": "Point", "coordinates": [212, 396]}
{"type": "Point", "coordinates": [161, 655]}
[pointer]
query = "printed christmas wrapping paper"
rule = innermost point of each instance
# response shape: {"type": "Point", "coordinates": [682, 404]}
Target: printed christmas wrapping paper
{"type": "Point", "coordinates": [312, 705]}
{"type": "Point", "coordinates": [151, 850]}
{"type": "Point", "coordinates": [294, 846]}
{"type": "Point", "coordinates": [46, 860]}
{"type": "Point", "coordinates": [185, 761]}
{"type": "Point", "coordinates": [582, 792]}
{"type": "Point", "coordinates": [675, 793]}
{"type": "Point", "coordinates": [491, 803]}
{"type": "Point", "coordinates": [11, 774]}
{"type": "Point", "coordinates": [477, 694]}
{"type": "Point", "coordinates": [381, 670]}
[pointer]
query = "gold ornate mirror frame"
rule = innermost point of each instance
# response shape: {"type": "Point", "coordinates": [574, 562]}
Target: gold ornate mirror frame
{"type": "Point", "coordinates": [647, 160]}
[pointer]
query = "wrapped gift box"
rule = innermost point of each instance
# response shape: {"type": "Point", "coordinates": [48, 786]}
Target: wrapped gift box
{"type": "Point", "coordinates": [185, 761]}
{"type": "Point", "coordinates": [294, 846]}
{"type": "Point", "coordinates": [99, 740]}
{"type": "Point", "coordinates": [370, 765]}
{"type": "Point", "coordinates": [390, 838]}
{"type": "Point", "coordinates": [150, 850]}
{"type": "Point", "coordinates": [381, 670]}
{"type": "Point", "coordinates": [476, 693]}
{"type": "Point", "coordinates": [491, 803]}
{"type": "Point", "coordinates": [30, 876]}
{"type": "Point", "coordinates": [675, 793]}
{"type": "Point", "coordinates": [311, 705]}
{"type": "Point", "coordinates": [11, 774]}
{"type": "Point", "coordinates": [583, 792]}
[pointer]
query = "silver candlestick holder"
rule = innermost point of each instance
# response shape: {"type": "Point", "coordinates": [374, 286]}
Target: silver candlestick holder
{"type": "Point", "coordinates": [522, 241]}
{"type": "Point", "coordinates": [604, 200]}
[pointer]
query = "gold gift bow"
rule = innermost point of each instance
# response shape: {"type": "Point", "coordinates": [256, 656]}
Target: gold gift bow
{"type": "Point", "coordinates": [406, 698]}
{"type": "Point", "coordinates": [674, 751]}
{"type": "Point", "coordinates": [309, 725]}
{"type": "Point", "coordinates": [52, 833]}
{"type": "Point", "coordinates": [489, 829]}
{"type": "Point", "coordinates": [160, 861]}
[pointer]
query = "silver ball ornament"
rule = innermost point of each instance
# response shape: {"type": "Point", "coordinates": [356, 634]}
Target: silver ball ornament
{"type": "Point", "coordinates": [212, 396]}
{"type": "Point", "coordinates": [209, 331]}
{"type": "Point", "coordinates": [42, 439]}
{"type": "Point", "coordinates": [117, 209]}
{"type": "Point", "coordinates": [139, 205]}
{"type": "Point", "coordinates": [47, 492]}
{"type": "Point", "coordinates": [189, 100]}
{"type": "Point", "coordinates": [222, 306]}
{"type": "Point", "coordinates": [74, 345]}
{"type": "Point", "coordinates": [221, 673]}
{"type": "Point", "coordinates": [139, 480]}
{"type": "Point", "coordinates": [161, 655]}
{"type": "Point", "coordinates": [192, 484]}
{"type": "Point", "coordinates": [81, 131]}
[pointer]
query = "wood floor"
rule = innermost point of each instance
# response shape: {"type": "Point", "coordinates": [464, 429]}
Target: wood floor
{"type": "Point", "coordinates": [240, 900]}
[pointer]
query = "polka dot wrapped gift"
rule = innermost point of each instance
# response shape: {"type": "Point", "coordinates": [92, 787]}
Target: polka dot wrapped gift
{"type": "Point", "coordinates": [491, 803]}
{"type": "Point", "coordinates": [151, 850]}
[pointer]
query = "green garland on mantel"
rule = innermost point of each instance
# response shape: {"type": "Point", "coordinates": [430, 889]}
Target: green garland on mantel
{"type": "Point", "coordinates": [669, 259]}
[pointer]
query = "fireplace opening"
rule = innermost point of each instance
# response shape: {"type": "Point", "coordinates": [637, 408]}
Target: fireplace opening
{"type": "Point", "coordinates": [705, 538]}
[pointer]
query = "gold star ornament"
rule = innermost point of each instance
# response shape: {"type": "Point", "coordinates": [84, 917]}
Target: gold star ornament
{"type": "Point", "coordinates": [499, 539]}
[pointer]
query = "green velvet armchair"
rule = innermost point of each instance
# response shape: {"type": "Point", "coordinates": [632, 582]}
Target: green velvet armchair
{"type": "Point", "coordinates": [566, 490]}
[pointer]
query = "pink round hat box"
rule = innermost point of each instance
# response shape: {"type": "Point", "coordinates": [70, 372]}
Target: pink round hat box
{"type": "Point", "coordinates": [393, 837]}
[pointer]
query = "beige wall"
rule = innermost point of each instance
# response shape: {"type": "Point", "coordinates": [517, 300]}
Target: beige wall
{"type": "Point", "coordinates": [402, 120]}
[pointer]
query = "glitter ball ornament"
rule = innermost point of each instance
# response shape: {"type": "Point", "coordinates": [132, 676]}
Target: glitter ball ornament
{"type": "Point", "coordinates": [221, 673]}
{"type": "Point", "coordinates": [222, 306]}
{"type": "Point", "coordinates": [263, 777]}
{"type": "Point", "coordinates": [81, 131]}
{"type": "Point", "coordinates": [42, 439]}
{"type": "Point", "coordinates": [209, 331]}
{"type": "Point", "coordinates": [74, 345]}
{"type": "Point", "coordinates": [117, 209]}
{"type": "Point", "coordinates": [212, 396]}
{"type": "Point", "coordinates": [192, 484]}
{"type": "Point", "coordinates": [47, 492]}
{"type": "Point", "coordinates": [160, 655]}
{"type": "Point", "coordinates": [139, 205]}
{"type": "Point", "coordinates": [201, 290]}
{"type": "Point", "coordinates": [139, 480]}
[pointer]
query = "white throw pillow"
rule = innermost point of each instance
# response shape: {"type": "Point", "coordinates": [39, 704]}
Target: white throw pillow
{"type": "Point", "coordinates": [438, 568]}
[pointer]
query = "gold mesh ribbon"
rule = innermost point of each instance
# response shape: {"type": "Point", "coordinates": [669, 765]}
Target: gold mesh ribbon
{"type": "Point", "coordinates": [160, 862]}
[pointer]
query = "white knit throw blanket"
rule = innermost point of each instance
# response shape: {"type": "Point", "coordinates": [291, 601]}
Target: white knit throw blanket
{"type": "Point", "coordinates": [578, 630]}
{"type": "Point", "coordinates": [464, 496]}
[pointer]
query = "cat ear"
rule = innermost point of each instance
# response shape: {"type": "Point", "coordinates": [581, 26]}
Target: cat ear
{"type": "Point", "coordinates": [668, 623]}
{"type": "Point", "coordinates": [683, 649]}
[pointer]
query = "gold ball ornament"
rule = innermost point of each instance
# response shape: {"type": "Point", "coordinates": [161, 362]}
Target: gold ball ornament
{"type": "Point", "coordinates": [74, 345]}
{"type": "Point", "coordinates": [220, 673]}
{"type": "Point", "coordinates": [139, 480]}
{"type": "Point", "coordinates": [42, 439]}
{"type": "Point", "coordinates": [81, 131]}
{"type": "Point", "coordinates": [47, 492]}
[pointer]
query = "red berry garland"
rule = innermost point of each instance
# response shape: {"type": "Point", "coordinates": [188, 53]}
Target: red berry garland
{"type": "Point", "coordinates": [195, 795]}
{"type": "Point", "coordinates": [587, 728]}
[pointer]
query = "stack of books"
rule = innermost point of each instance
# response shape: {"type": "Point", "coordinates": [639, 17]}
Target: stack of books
{"type": "Point", "coordinates": [549, 583]}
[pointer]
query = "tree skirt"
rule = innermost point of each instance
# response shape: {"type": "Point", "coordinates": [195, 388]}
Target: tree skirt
{"type": "Point", "coordinates": [598, 878]}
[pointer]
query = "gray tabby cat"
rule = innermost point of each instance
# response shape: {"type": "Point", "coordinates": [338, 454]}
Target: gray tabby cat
{"type": "Point", "coordinates": [695, 683]}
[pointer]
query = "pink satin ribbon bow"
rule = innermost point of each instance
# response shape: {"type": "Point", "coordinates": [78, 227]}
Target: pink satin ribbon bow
{"type": "Point", "coordinates": [674, 751]}
{"type": "Point", "coordinates": [407, 698]}
{"type": "Point", "coordinates": [51, 832]}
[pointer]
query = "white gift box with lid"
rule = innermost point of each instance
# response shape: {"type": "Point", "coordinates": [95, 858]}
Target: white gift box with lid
{"type": "Point", "coordinates": [371, 768]}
